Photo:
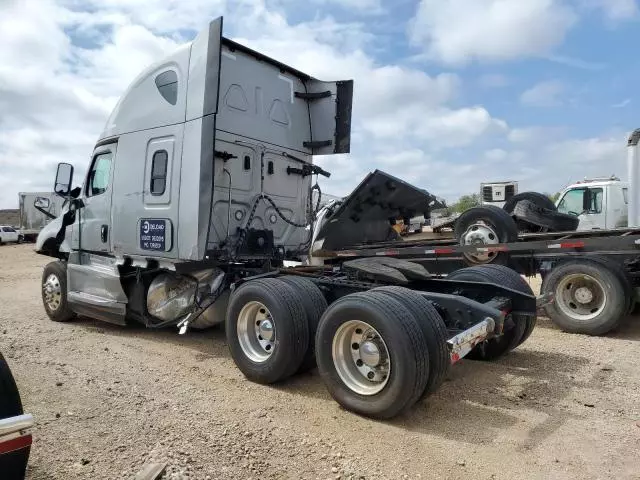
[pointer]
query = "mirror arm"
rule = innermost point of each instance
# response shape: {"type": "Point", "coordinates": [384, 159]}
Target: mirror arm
{"type": "Point", "coordinates": [48, 214]}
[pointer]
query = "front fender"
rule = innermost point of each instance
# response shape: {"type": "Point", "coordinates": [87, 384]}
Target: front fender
{"type": "Point", "coordinates": [52, 239]}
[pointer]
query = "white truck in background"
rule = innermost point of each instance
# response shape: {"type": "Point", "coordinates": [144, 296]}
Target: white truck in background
{"type": "Point", "coordinates": [37, 209]}
{"type": "Point", "coordinates": [600, 203]}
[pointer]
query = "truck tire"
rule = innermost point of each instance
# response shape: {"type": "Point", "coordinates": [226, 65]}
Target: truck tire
{"type": "Point", "coordinates": [13, 464]}
{"type": "Point", "coordinates": [372, 354]}
{"type": "Point", "coordinates": [589, 297]}
{"type": "Point", "coordinates": [267, 330]}
{"type": "Point", "coordinates": [551, 220]}
{"type": "Point", "coordinates": [485, 225]}
{"type": "Point", "coordinates": [314, 304]}
{"type": "Point", "coordinates": [523, 326]}
{"type": "Point", "coordinates": [54, 292]}
{"type": "Point", "coordinates": [538, 199]}
{"type": "Point", "coordinates": [433, 329]}
{"type": "Point", "coordinates": [10, 403]}
{"type": "Point", "coordinates": [619, 270]}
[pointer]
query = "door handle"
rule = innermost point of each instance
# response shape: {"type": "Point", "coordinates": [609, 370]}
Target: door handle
{"type": "Point", "coordinates": [104, 231]}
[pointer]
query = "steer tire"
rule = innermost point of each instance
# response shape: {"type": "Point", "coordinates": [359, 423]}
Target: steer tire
{"type": "Point", "coordinates": [433, 329]}
{"type": "Point", "coordinates": [61, 313]}
{"type": "Point", "coordinates": [568, 317]}
{"type": "Point", "coordinates": [522, 326]}
{"type": "Point", "coordinates": [290, 325]}
{"type": "Point", "coordinates": [551, 220]}
{"type": "Point", "coordinates": [500, 222]}
{"type": "Point", "coordinates": [314, 304]}
{"type": "Point", "coordinates": [538, 199]}
{"type": "Point", "coordinates": [406, 345]}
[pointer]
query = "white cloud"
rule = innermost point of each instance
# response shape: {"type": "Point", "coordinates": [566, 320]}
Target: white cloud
{"type": "Point", "coordinates": [544, 94]}
{"type": "Point", "coordinates": [367, 7]}
{"type": "Point", "coordinates": [495, 154]}
{"type": "Point", "coordinates": [534, 134]}
{"type": "Point", "coordinates": [458, 31]}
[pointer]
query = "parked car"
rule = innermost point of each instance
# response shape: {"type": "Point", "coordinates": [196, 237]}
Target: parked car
{"type": "Point", "coordinates": [9, 234]}
{"type": "Point", "coordinates": [15, 425]}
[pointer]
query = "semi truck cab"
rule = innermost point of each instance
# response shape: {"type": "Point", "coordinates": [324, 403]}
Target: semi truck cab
{"type": "Point", "coordinates": [599, 203]}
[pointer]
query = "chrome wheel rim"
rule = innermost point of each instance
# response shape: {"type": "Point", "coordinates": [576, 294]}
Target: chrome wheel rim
{"type": "Point", "coordinates": [256, 332]}
{"type": "Point", "coordinates": [52, 292]}
{"type": "Point", "coordinates": [581, 297]}
{"type": "Point", "coordinates": [480, 233]}
{"type": "Point", "coordinates": [361, 357]}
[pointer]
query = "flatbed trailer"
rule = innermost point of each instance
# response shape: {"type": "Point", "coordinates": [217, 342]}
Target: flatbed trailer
{"type": "Point", "coordinates": [593, 275]}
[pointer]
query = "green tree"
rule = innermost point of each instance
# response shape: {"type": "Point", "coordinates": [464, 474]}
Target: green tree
{"type": "Point", "coordinates": [466, 202]}
{"type": "Point", "coordinates": [553, 197]}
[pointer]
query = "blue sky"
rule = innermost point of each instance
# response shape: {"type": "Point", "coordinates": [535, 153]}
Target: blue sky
{"type": "Point", "coordinates": [448, 93]}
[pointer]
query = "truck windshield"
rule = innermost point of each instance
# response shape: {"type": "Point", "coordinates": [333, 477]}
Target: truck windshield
{"type": "Point", "coordinates": [572, 201]}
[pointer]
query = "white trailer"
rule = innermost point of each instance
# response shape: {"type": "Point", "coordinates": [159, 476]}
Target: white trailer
{"type": "Point", "coordinates": [37, 209]}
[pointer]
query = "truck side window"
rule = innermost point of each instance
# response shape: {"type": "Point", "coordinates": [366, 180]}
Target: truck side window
{"type": "Point", "coordinates": [167, 84]}
{"type": "Point", "coordinates": [159, 172]}
{"type": "Point", "coordinates": [596, 200]}
{"type": "Point", "coordinates": [99, 174]}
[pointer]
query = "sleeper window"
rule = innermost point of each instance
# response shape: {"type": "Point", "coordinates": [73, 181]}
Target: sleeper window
{"type": "Point", "coordinates": [167, 83]}
{"type": "Point", "coordinates": [159, 172]}
{"type": "Point", "coordinates": [99, 174]}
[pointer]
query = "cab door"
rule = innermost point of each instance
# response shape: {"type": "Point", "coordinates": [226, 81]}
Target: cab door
{"type": "Point", "coordinates": [92, 230]}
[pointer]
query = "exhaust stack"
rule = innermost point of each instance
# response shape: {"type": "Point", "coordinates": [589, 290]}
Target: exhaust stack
{"type": "Point", "coordinates": [633, 170]}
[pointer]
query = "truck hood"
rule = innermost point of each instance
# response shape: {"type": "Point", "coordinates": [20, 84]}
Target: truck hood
{"type": "Point", "coordinates": [365, 215]}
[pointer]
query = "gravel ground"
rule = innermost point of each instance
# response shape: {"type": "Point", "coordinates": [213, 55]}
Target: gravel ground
{"type": "Point", "coordinates": [109, 399]}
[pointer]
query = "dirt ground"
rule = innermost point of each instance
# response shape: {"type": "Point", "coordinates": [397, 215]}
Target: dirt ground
{"type": "Point", "coordinates": [109, 399]}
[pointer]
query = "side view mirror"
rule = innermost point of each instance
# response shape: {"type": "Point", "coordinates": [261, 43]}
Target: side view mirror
{"type": "Point", "coordinates": [42, 202]}
{"type": "Point", "coordinates": [64, 178]}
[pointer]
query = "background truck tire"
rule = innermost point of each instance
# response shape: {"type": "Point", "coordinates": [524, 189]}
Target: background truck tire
{"type": "Point", "coordinates": [538, 199]}
{"type": "Point", "coordinates": [12, 464]}
{"type": "Point", "coordinates": [523, 326]}
{"type": "Point", "coordinates": [551, 220]}
{"type": "Point", "coordinates": [619, 270]}
{"type": "Point", "coordinates": [10, 403]}
{"type": "Point", "coordinates": [433, 328]}
{"type": "Point", "coordinates": [404, 343]}
{"type": "Point", "coordinates": [290, 327]}
{"type": "Point", "coordinates": [314, 304]}
{"type": "Point", "coordinates": [502, 229]}
{"type": "Point", "coordinates": [589, 297]}
{"type": "Point", "coordinates": [54, 283]}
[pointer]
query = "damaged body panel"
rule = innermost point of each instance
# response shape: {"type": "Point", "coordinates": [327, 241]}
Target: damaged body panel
{"type": "Point", "coordinates": [365, 216]}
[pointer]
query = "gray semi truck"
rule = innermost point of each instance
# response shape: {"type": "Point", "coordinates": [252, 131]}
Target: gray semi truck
{"type": "Point", "coordinates": [199, 189]}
